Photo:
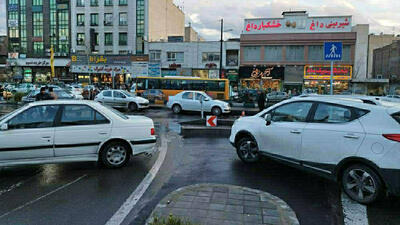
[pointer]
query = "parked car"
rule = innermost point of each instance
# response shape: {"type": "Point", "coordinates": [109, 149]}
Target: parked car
{"type": "Point", "coordinates": [23, 88]}
{"type": "Point", "coordinates": [76, 91]}
{"type": "Point", "coordinates": [61, 95]}
{"type": "Point", "coordinates": [392, 98]}
{"type": "Point", "coordinates": [190, 101]}
{"type": "Point", "coordinates": [70, 131]}
{"type": "Point", "coordinates": [276, 96]}
{"type": "Point", "coordinates": [122, 99]}
{"type": "Point", "coordinates": [153, 95]}
{"type": "Point", "coordinates": [351, 141]}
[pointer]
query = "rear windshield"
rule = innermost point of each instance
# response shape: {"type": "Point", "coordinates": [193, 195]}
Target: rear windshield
{"type": "Point", "coordinates": [396, 116]}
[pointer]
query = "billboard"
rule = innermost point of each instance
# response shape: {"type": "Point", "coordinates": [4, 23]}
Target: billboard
{"type": "Point", "coordinates": [298, 24]}
{"type": "Point", "coordinates": [323, 72]}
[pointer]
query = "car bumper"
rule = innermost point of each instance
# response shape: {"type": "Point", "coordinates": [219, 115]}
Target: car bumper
{"type": "Point", "coordinates": [391, 178]}
{"type": "Point", "coordinates": [226, 110]}
{"type": "Point", "coordinates": [143, 146]}
{"type": "Point", "coordinates": [143, 106]}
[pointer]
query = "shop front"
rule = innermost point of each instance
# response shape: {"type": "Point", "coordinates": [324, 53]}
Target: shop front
{"type": "Point", "coordinates": [102, 70]}
{"type": "Point", "coordinates": [261, 77]}
{"type": "Point", "coordinates": [317, 79]}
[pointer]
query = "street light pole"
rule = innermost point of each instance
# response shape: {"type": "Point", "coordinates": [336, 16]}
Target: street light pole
{"type": "Point", "coordinates": [220, 50]}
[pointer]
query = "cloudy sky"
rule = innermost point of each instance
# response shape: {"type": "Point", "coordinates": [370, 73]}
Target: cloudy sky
{"type": "Point", "coordinates": [382, 15]}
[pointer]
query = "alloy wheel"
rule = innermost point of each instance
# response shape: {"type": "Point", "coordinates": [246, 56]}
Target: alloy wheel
{"type": "Point", "coordinates": [116, 155]}
{"type": "Point", "coordinates": [360, 185]}
{"type": "Point", "coordinates": [248, 150]}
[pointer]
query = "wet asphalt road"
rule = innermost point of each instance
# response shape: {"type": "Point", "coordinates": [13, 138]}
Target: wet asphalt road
{"type": "Point", "coordinates": [83, 193]}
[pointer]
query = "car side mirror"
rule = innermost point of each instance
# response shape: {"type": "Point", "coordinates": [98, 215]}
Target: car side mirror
{"type": "Point", "coordinates": [4, 127]}
{"type": "Point", "coordinates": [123, 96]}
{"type": "Point", "coordinates": [268, 119]}
{"type": "Point", "coordinates": [206, 99]}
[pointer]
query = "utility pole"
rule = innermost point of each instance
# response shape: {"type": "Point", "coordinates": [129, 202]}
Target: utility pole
{"type": "Point", "coordinates": [220, 50]}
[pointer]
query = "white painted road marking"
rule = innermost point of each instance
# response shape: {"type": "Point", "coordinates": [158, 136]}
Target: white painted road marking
{"type": "Point", "coordinates": [134, 198]}
{"type": "Point", "coordinates": [43, 196]}
{"type": "Point", "coordinates": [354, 213]}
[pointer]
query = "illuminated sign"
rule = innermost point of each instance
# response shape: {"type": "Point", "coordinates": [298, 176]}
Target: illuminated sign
{"type": "Point", "coordinates": [323, 72]}
{"type": "Point", "coordinates": [301, 24]}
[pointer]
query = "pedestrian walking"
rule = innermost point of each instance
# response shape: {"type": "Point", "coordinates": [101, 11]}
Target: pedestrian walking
{"type": "Point", "coordinates": [261, 100]}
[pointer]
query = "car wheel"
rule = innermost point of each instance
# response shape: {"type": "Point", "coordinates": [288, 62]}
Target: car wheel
{"type": "Point", "coordinates": [216, 111]}
{"type": "Point", "coordinates": [115, 155]}
{"type": "Point", "coordinates": [176, 109]}
{"type": "Point", "coordinates": [361, 184]}
{"type": "Point", "coordinates": [247, 150]}
{"type": "Point", "coordinates": [133, 107]}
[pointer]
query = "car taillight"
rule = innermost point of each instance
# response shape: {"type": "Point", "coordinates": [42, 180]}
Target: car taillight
{"type": "Point", "coordinates": [152, 131]}
{"type": "Point", "coordinates": [393, 137]}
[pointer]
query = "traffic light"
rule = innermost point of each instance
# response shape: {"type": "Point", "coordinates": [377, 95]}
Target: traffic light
{"type": "Point", "coordinates": [92, 40]}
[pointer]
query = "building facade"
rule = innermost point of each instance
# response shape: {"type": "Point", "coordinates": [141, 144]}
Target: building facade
{"type": "Point", "coordinates": [386, 65]}
{"type": "Point", "coordinates": [198, 59]}
{"type": "Point", "coordinates": [3, 57]}
{"type": "Point", "coordinates": [34, 27]}
{"type": "Point", "coordinates": [288, 53]}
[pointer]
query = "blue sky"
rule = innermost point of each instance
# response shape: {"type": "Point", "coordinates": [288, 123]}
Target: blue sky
{"type": "Point", "coordinates": [382, 15]}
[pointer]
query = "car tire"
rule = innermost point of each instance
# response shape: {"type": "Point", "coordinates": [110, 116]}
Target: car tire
{"type": "Point", "coordinates": [176, 109]}
{"type": "Point", "coordinates": [362, 184]}
{"type": "Point", "coordinates": [247, 150]}
{"type": "Point", "coordinates": [133, 107]}
{"type": "Point", "coordinates": [216, 111]}
{"type": "Point", "coordinates": [115, 155]}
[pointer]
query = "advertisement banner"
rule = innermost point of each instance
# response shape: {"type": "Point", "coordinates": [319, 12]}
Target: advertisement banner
{"type": "Point", "coordinates": [200, 73]}
{"type": "Point", "coordinates": [323, 72]}
{"type": "Point", "coordinates": [100, 69]}
{"type": "Point", "coordinates": [299, 24]}
{"type": "Point", "coordinates": [154, 70]}
{"type": "Point", "coordinates": [101, 60]}
{"type": "Point", "coordinates": [272, 72]}
{"type": "Point", "coordinates": [140, 69]}
{"type": "Point", "coordinates": [213, 74]}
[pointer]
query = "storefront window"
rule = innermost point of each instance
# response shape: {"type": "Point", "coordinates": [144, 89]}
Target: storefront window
{"type": "Point", "coordinates": [273, 53]}
{"type": "Point", "coordinates": [295, 53]}
{"type": "Point", "coordinates": [346, 53]}
{"type": "Point", "coordinates": [252, 53]}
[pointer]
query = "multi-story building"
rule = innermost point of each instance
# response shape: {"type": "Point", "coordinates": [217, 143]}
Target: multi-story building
{"type": "Point", "coordinates": [191, 35]}
{"type": "Point", "coordinates": [121, 27]}
{"type": "Point", "coordinates": [198, 59]}
{"type": "Point", "coordinates": [3, 57]}
{"type": "Point", "coordinates": [34, 27]}
{"type": "Point", "coordinates": [287, 53]}
{"type": "Point", "coordinates": [386, 65]}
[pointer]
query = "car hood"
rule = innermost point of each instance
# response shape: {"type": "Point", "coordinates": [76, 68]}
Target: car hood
{"type": "Point", "coordinates": [219, 102]}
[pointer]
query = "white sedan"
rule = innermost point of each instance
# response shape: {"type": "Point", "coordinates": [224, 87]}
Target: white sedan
{"type": "Point", "coordinates": [350, 140]}
{"type": "Point", "coordinates": [70, 131]}
{"type": "Point", "coordinates": [191, 101]}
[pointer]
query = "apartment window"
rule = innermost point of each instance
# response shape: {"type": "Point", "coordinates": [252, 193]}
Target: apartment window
{"type": "Point", "coordinates": [63, 31]}
{"type": "Point", "coordinates": [38, 48]}
{"type": "Point", "coordinates": [316, 53]}
{"type": "Point", "coordinates": [123, 19]}
{"type": "Point", "coordinates": [80, 20]}
{"type": "Point", "coordinates": [273, 53]}
{"type": "Point", "coordinates": [96, 38]}
{"type": "Point", "coordinates": [80, 39]}
{"type": "Point", "coordinates": [37, 24]}
{"type": "Point", "coordinates": [123, 2]}
{"type": "Point", "coordinates": [252, 53]}
{"type": "Point", "coordinates": [37, 2]}
{"type": "Point", "coordinates": [108, 39]}
{"type": "Point", "coordinates": [210, 57]}
{"type": "Point", "coordinates": [94, 19]}
{"type": "Point", "coordinates": [123, 39]}
{"type": "Point", "coordinates": [155, 55]}
{"type": "Point", "coordinates": [295, 53]}
{"type": "Point", "coordinates": [108, 52]}
{"type": "Point", "coordinates": [80, 3]}
{"type": "Point", "coordinates": [94, 3]}
{"type": "Point", "coordinates": [124, 52]}
{"type": "Point", "coordinates": [175, 57]}
{"type": "Point", "coordinates": [108, 19]}
{"type": "Point", "coordinates": [108, 2]}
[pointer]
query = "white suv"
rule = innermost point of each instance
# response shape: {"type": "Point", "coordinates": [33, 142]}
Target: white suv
{"type": "Point", "coordinates": [71, 131]}
{"type": "Point", "coordinates": [355, 143]}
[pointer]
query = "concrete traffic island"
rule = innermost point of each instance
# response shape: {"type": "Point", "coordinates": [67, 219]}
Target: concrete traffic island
{"type": "Point", "coordinates": [219, 204]}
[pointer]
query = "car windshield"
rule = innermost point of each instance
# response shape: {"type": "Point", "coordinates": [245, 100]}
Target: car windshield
{"type": "Point", "coordinates": [128, 94]}
{"type": "Point", "coordinates": [116, 112]}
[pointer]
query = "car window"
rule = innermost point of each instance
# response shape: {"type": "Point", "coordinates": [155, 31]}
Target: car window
{"type": "Point", "coordinates": [34, 117]}
{"type": "Point", "coordinates": [74, 115]}
{"type": "Point", "coordinates": [107, 93]}
{"type": "Point", "coordinates": [118, 94]}
{"type": "Point", "coordinates": [292, 112]}
{"type": "Point", "coordinates": [188, 95]}
{"type": "Point", "coordinates": [199, 96]}
{"type": "Point", "coordinates": [396, 116]}
{"type": "Point", "coordinates": [326, 113]}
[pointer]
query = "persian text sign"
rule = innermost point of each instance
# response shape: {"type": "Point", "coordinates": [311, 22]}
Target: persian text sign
{"type": "Point", "coordinates": [324, 72]}
{"type": "Point", "coordinates": [298, 25]}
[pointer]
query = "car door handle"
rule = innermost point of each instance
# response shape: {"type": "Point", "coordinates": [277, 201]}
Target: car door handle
{"type": "Point", "coordinates": [351, 136]}
{"type": "Point", "coordinates": [295, 132]}
{"type": "Point", "coordinates": [103, 133]}
{"type": "Point", "coordinates": [46, 137]}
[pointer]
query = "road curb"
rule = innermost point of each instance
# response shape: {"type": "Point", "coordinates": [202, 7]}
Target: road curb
{"type": "Point", "coordinates": [221, 203]}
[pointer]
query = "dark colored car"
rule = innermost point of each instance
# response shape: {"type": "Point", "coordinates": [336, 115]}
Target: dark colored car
{"type": "Point", "coordinates": [153, 95]}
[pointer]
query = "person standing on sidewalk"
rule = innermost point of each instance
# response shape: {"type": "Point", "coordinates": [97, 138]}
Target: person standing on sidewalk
{"type": "Point", "coordinates": [261, 100]}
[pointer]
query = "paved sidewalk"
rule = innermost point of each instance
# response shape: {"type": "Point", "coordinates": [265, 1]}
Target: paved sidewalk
{"type": "Point", "coordinates": [215, 204]}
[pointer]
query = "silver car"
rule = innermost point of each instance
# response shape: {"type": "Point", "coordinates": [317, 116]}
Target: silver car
{"type": "Point", "coordinates": [122, 99]}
